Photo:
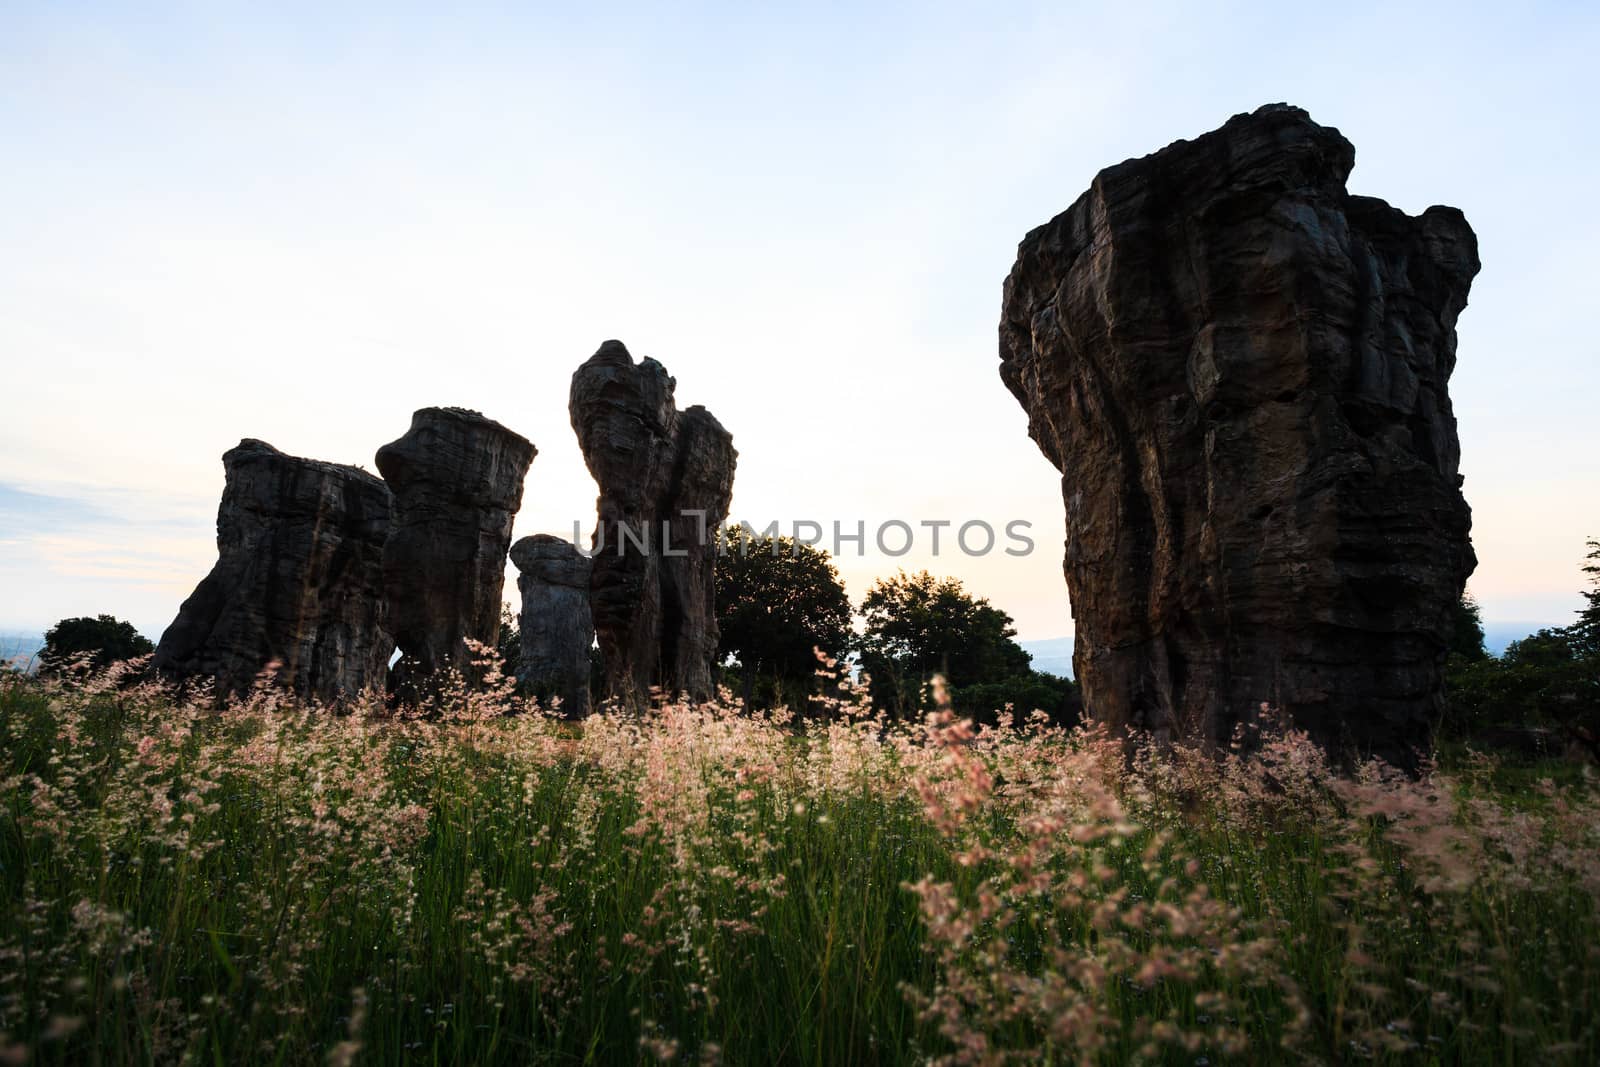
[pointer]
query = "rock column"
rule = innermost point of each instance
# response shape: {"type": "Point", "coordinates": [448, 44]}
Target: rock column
{"type": "Point", "coordinates": [665, 484]}
{"type": "Point", "coordinates": [557, 627]}
{"type": "Point", "coordinates": [457, 482]}
{"type": "Point", "coordinates": [1241, 371]}
{"type": "Point", "coordinates": [298, 581]}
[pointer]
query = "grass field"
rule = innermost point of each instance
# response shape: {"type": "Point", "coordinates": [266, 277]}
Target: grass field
{"type": "Point", "coordinates": [275, 885]}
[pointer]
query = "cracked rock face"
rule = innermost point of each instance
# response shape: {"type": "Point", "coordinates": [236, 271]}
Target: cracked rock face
{"type": "Point", "coordinates": [457, 482]}
{"type": "Point", "coordinates": [557, 627]}
{"type": "Point", "coordinates": [666, 481]}
{"type": "Point", "coordinates": [298, 581]}
{"type": "Point", "coordinates": [1241, 371]}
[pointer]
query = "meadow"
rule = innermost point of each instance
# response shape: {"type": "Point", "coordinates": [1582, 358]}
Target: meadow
{"type": "Point", "coordinates": [486, 883]}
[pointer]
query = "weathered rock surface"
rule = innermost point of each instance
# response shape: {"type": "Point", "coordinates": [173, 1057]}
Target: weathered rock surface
{"type": "Point", "coordinates": [701, 490]}
{"type": "Point", "coordinates": [557, 627]}
{"type": "Point", "coordinates": [457, 482]}
{"type": "Point", "coordinates": [1240, 370]}
{"type": "Point", "coordinates": [666, 480]}
{"type": "Point", "coordinates": [298, 581]}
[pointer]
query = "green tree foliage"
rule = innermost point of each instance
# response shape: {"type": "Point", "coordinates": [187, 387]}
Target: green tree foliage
{"type": "Point", "coordinates": [1586, 631]}
{"type": "Point", "coordinates": [778, 601]}
{"type": "Point", "coordinates": [104, 638]}
{"type": "Point", "coordinates": [1023, 693]}
{"type": "Point", "coordinates": [1548, 679]}
{"type": "Point", "coordinates": [1515, 690]}
{"type": "Point", "coordinates": [1466, 640]}
{"type": "Point", "coordinates": [509, 646]}
{"type": "Point", "coordinates": [918, 626]}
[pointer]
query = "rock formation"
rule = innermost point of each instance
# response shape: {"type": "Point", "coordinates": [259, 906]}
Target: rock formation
{"type": "Point", "coordinates": [665, 480]}
{"type": "Point", "coordinates": [700, 492]}
{"type": "Point", "coordinates": [298, 581]}
{"type": "Point", "coordinates": [1240, 370]}
{"type": "Point", "coordinates": [457, 483]}
{"type": "Point", "coordinates": [557, 627]}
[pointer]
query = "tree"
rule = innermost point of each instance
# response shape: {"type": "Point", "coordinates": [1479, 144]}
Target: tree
{"type": "Point", "coordinates": [1546, 648]}
{"type": "Point", "coordinates": [778, 601]}
{"type": "Point", "coordinates": [509, 646]}
{"type": "Point", "coordinates": [918, 626]}
{"type": "Point", "coordinates": [1586, 631]}
{"type": "Point", "coordinates": [105, 638]}
{"type": "Point", "coordinates": [1466, 638]}
{"type": "Point", "coordinates": [1518, 689]}
{"type": "Point", "coordinates": [1036, 690]}
{"type": "Point", "coordinates": [1549, 679]}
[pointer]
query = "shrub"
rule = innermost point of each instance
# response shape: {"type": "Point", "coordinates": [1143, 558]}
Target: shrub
{"type": "Point", "coordinates": [97, 642]}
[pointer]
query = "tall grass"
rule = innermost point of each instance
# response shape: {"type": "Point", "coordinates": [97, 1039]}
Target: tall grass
{"type": "Point", "coordinates": [488, 884]}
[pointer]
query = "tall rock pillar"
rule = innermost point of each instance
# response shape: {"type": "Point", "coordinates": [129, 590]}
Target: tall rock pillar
{"type": "Point", "coordinates": [457, 482]}
{"type": "Point", "coordinates": [1241, 371]}
{"type": "Point", "coordinates": [666, 481]}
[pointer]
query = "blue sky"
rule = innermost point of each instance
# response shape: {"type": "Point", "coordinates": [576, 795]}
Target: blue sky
{"type": "Point", "coordinates": [299, 224]}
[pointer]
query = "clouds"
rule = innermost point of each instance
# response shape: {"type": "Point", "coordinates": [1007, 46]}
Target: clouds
{"type": "Point", "coordinates": [79, 550]}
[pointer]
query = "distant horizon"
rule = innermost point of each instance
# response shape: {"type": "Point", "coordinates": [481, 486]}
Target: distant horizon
{"type": "Point", "coordinates": [1044, 650]}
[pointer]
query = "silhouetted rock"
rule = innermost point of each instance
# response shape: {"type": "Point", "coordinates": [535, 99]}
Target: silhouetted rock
{"type": "Point", "coordinates": [626, 422]}
{"type": "Point", "coordinates": [298, 581]}
{"type": "Point", "coordinates": [557, 627]}
{"type": "Point", "coordinates": [457, 483]}
{"type": "Point", "coordinates": [1240, 370]}
{"type": "Point", "coordinates": [665, 484]}
{"type": "Point", "coordinates": [700, 492]}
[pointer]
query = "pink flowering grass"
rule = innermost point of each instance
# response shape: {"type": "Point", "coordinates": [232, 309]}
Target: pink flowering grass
{"type": "Point", "coordinates": [487, 883]}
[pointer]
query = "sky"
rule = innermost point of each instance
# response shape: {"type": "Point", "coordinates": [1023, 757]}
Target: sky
{"type": "Point", "coordinates": [302, 222]}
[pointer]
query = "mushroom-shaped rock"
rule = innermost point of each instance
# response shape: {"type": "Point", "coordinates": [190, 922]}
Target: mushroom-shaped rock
{"type": "Point", "coordinates": [1240, 370]}
{"type": "Point", "coordinates": [298, 581]}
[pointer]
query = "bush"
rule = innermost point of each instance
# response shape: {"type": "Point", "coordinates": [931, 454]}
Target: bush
{"type": "Point", "coordinates": [102, 641]}
{"type": "Point", "coordinates": [985, 702]}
